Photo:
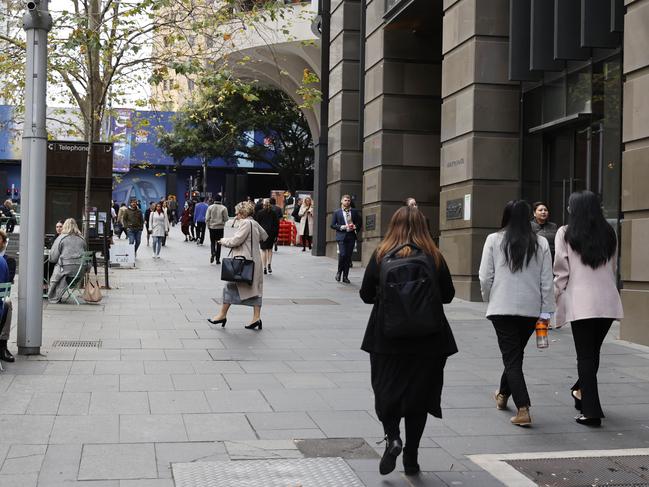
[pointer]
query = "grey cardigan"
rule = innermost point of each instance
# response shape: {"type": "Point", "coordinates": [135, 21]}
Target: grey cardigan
{"type": "Point", "coordinates": [528, 292]}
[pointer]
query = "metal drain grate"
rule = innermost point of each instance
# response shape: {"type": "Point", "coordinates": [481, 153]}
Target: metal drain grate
{"type": "Point", "coordinates": [76, 344]}
{"type": "Point", "coordinates": [620, 471]}
{"type": "Point", "coordinates": [307, 472]}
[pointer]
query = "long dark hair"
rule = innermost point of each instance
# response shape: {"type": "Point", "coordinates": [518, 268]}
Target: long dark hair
{"type": "Point", "coordinates": [588, 232]}
{"type": "Point", "coordinates": [408, 225]}
{"type": "Point", "coordinates": [520, 242]}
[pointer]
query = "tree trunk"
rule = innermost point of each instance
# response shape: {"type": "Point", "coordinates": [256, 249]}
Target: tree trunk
{"type": "Point", "coordinates": [86, 191]}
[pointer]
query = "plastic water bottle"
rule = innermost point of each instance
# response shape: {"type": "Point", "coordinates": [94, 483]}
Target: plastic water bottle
{"type": "Point", "coordinates": [542, 334]}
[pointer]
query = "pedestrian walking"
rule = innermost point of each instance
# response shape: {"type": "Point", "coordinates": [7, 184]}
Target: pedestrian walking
{"type": "Point", "coordinates": [244, 243]}
{"type": "Point", "coordinates": [407, 365]}
{"type": "Point", "coordinates": [185, 221]}
{"type": "Point", "coordinates": [67, 253]}
{"type": "Point", "coordinates": [200, 210]}
{"type": "Point", "coordinates": [133, 223]}
{"type": "Point", "coordinates": [541, 224]}
{"type": "Point", "coordinates": [516, 282]}
{"type": "Point", "coordinates": [215, 220]}
{"type": "Point", "coordinates": [172, 204]}
{"type": "Point", "coordinates": [587, 294]}
{"type": "Point", "coordinates": [305, 228]}
{"type": "Point", "coordinates": [268, 220]}
{"type": "Point", "coordinates": [147, 215]}
{"type": "Point", "coordinates": [347, 223]}
{"type": "Point", "coordinates": [159, 228]}
{"type": "Point", "coordinates": [280, 215]}
{"type": "Point", "coordinates": [119, 227]}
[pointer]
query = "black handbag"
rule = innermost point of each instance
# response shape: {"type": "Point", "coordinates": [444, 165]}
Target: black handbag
{"type": "Point", "coordinates": [238, 269]}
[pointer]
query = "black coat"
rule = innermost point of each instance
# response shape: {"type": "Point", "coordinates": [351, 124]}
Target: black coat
{"type": "Point", "coordinates": [268, 221]}
{"type": "Point", "coordinates": [440, 344]}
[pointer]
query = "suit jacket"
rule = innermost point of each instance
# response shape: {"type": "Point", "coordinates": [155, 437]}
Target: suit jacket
{"type": "Point", "coordinates": [581, 291]}
{"type": "Point", "coordinates": [338, 220]}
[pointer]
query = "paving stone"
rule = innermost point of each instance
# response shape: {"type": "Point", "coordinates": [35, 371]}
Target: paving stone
{"type": "Point", "coordinates": [16, 428]}
{"type": "Point", "coordinates": [178, 402]}
{"type": "Point", "coordinates": [345, 424]}
{"type": "Point", "coordinates": [23, 459]}
{"type": "Point", "coordinates": [74, 403]}
{"type": "Point", "coordinates": [85, 429]}
{"type": "Point", "coordinates": [236, 401]}
{"type": "Point", "coordinates": [117, 461]}
{"type": "Point", "coordinates": [119, 403]}
{"type": "Point", "coordinates": [186, 382]}
{"type": "Point", "coordinates": [218, 427]}
{"type": "Point", "coordinates": [279, 421]}
{"type": "Point", "coordinates": [149, 428]}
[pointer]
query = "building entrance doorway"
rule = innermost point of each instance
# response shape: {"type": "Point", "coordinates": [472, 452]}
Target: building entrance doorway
{"type": "Point", "coordinates": [573, 161]}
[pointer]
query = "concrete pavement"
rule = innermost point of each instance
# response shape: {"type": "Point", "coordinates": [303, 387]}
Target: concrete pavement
{"type": "Point", "coordinates": [166, 387]}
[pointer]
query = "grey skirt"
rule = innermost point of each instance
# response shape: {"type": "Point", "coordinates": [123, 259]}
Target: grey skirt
{"type": "Point", "coordinates": [231, 296]}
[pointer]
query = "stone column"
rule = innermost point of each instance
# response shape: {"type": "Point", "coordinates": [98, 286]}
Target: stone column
{"type": "Point", "coordinates": [635, 174]}
{"type": "Point", "coordinates": [479, 167]}
{"type": "Point", "coordinates": [402, 116]}
{"type": "Point", "coordinates": [344, 171]}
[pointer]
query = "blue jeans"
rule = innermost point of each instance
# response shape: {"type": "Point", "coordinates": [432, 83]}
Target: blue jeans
{"type": "Point", "coordinates": [134, 237]}
{"type": "Point", "coordinates": [157, 245]}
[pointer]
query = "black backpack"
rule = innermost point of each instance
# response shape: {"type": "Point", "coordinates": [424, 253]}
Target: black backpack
{"type": "Point", "coordinates": [409, 300]}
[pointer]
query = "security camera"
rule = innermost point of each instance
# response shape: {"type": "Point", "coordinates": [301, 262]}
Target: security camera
{"type": "Point", "coordinates": [32, 4]}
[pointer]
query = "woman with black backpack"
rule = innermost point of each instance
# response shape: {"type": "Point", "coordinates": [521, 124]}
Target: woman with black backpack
{"type": "Point", "coordinates": [407, 336]}
{"type": "Point", "coordinates": [516, 281]}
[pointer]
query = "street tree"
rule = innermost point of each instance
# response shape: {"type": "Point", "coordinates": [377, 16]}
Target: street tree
{"type": "Point", "coordinates": [236, 119]}
{"type": "Point", "coordinates": [109, 52]}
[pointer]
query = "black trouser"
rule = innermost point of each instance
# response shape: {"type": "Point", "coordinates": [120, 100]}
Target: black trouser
{"type": "Point", "coordinates": [200, 232]}
{"type": "Point", "coordinates": [345, 251]}
{"type": "Point", "coordinates": [415, 424]}
{"type": "Point", "coordinates": [513, 334]}
{"type": "Point", "coordinates": [589, 336]}
{"type": "Point", "coordinates": [11, 223]}
{"type": "Point", "coordinates": [216, 234]}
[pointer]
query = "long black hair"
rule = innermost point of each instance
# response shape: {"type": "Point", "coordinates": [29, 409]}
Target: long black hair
{"type": "Point", "coordinates": [520, 243]}
{"type": "Point", "coordinates": [588, 232]}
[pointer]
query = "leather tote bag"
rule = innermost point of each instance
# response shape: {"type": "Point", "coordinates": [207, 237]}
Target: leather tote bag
{"type": "Point", "coordinates": [91, 290]}
{"type": "Point", "coordinates": [238, 269]}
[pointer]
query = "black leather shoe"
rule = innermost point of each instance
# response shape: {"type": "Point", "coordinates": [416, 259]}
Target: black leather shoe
{"type": "Point", "coordinates": [252, 326]}
{"type": "Point", "coordinates": [338, 276]}
{"type": "Point", "coordinates": [218, 322]}
{"type": "Point", "coordinates": [577, 400]}
{"type": "Point", "coordinates": [265, 271]}
{"type": "Point", "coordinates": [389, 458]}
{"type": "Point", "coordinates": [211, 259]}
{"type": "Point", "coordinates": [5, 356]}
{"type": "Point", "coordinates": [410, 465]}
{"type": "Point", "coordinates": [270, 271]}
{"type": "Point", "coordinates": [346, 281]}
{"type": "Point", "coordinates": [588, 421]}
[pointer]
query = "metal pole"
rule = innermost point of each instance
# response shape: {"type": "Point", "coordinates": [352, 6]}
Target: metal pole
{"type": "Point", "coordinates": [321, 149]}
{"type": "Point", "coordinates": [36, 22]}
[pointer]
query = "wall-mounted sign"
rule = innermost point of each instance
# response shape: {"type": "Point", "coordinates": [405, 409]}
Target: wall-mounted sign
{"type": "Point", "coordinates": [455, 209]}
{"type": "Point", "coordinates": [370, 222]}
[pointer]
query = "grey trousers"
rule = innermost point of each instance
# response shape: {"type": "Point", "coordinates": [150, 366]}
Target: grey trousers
{"type": "Point", "coordinates": [58, 282]}
{"type": "Point", "coordinates": [6, 325]}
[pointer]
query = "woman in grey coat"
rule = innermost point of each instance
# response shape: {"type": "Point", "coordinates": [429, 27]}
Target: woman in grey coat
{"type": "Point", "coordinates": [244, 243]}
{"type": "Point", "coordinates": [67, 253]}
{"type": "Point", "coordinates": [516, 281]}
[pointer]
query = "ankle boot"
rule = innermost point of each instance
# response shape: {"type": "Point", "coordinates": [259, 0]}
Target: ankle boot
{"type": "Point", "coordinates": [523, 417]}
{"type": "Point", "coordinates": [389, 459]}
{"type": "Point", "coordinates": [5, 354]}
{"type": "Point", "coordinates": [410, 465]}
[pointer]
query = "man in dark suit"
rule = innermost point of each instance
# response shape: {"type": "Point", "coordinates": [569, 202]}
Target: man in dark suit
{"type": "Point", "coordinates": [347, 223]}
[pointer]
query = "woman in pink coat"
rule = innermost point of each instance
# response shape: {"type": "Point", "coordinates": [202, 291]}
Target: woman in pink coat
{"type": "Point", "coordinates": [587, 294]}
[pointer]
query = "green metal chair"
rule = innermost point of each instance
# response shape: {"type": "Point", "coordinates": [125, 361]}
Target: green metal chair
{"type": "Point", "coordinates": [5, 293]}
{"type": "Point", "coordinates": [74, 282]}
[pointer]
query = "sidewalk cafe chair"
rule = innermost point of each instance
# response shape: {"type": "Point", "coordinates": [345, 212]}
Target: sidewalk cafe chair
{"type": "Point", "coordinates": [5, 292]}
{"type": "Point", "coordinates": [74, 282]}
